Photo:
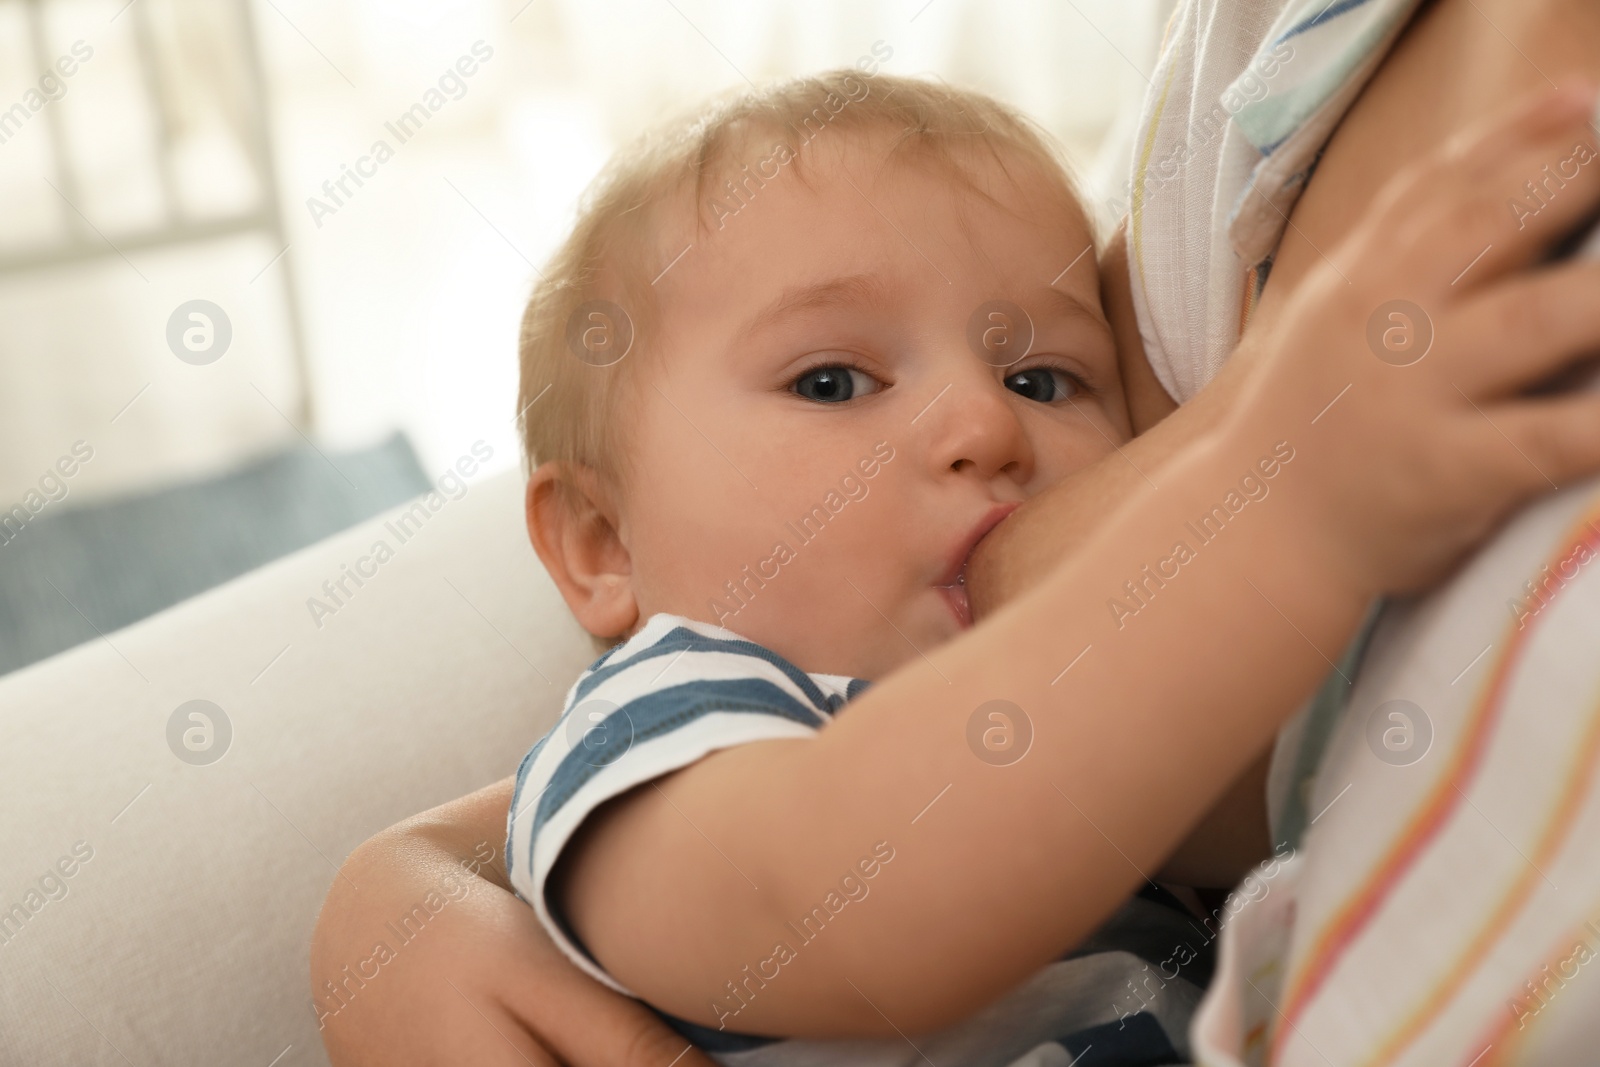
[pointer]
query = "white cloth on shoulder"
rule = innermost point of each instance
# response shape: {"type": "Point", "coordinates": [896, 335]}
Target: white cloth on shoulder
{"type": "Point", "coordinates": [1244, 95]}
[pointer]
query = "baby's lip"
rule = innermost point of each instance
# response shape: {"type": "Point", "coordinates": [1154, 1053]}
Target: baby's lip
{"type": "Point", "coordinates": [955, 572]}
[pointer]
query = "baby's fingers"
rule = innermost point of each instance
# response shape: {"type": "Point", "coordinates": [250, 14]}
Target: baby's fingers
{"type": "Point", "coordinates": [1500, 196]}
{"type": "Point", "coordinates": [1523, 330]}
{"type": "Point", "coordinates": [1555, 442]}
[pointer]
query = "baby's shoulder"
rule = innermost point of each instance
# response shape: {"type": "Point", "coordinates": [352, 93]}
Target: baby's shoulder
{"type": "Point", "coordinates": [675, 666]}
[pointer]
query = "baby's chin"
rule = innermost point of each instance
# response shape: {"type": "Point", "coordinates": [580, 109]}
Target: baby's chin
{"type": "Point", "coordinates": [882, 649]}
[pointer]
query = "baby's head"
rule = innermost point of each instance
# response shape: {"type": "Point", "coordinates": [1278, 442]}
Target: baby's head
{"type": "Point", "coordinates": [777, 379]}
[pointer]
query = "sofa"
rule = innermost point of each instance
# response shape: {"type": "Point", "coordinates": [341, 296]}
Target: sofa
{"type": "Point", "coordinates": [179, 794]}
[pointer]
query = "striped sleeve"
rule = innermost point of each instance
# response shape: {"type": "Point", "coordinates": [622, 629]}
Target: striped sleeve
{"type": "Point", "coordinates": [673, 693]}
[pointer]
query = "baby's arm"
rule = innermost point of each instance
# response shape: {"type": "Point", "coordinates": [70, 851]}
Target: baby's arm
{"type": "Point", "coordinates": [680, 885]}
{"type": "Point", "coordinates": [481, 984]}
{"type": "Point", "coordinates": [1233, 836]}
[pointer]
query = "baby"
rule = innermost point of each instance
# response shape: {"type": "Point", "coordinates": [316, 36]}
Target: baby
{"type": "Point", "coordinates": [797, 358]}
{"type": "Point", "coordinates": [874, 328]}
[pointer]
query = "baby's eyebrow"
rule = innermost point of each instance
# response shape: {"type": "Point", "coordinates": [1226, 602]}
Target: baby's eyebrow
{"type": "Point", "coordinates": [1067, 305]}
{"type": "Point", "coordinates": [848, 291]}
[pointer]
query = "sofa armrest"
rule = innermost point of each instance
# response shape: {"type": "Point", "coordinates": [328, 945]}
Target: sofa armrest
{"type": "Point", "coordinates": [181, 933]}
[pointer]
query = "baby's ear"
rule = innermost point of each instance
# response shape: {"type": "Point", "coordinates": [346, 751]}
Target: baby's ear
{"type": "Point", "coordinates": [573, 525]}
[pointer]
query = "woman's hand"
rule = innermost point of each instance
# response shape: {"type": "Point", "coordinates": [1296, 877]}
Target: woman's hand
{"type": "Point", "coordinates": [476, 980]}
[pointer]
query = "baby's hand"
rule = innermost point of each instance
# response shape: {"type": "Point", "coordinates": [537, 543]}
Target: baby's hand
{"type": "Point", "coordinates": [1396, 368]}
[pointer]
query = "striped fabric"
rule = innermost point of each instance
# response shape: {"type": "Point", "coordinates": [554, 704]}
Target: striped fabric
{"type": "Point", "coordinates": [678, 690]}
{"type": "Point", "coordinates": [1443, 909]}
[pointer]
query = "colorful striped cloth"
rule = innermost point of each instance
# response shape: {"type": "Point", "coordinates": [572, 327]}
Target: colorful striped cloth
{"type": "Point", "coordinates": [1443, 906]}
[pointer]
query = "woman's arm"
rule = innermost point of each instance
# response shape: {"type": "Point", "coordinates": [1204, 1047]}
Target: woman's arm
{"type": "Point", "coordinates": [478, 981]}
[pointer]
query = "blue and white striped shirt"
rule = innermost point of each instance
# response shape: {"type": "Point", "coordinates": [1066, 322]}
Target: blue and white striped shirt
{"type": "Point", "coordinates": [678, 690]}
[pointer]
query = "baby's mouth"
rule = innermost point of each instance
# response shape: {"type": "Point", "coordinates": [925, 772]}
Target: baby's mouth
{"type": "Point", "coordinates": [952, 584]}
{"type": "Point", "coordinates": [955, 595]}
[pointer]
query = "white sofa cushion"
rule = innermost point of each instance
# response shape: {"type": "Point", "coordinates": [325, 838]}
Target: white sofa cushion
{"type": "Point", "coordinates": [184, 938]}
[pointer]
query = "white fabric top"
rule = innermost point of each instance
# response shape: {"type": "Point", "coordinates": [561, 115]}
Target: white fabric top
{"type": "Point", "coordinates": [1244, 96]}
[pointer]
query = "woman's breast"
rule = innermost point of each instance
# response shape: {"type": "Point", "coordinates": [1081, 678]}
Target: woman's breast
{"type": "Point", "coordinates": [1458, 61]}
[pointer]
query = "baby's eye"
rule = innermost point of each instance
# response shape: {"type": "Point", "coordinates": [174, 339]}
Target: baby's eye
{"type": "Point", "coordinates": [834, 384]}
{"type": "Point", "coordinates": [1043, 384]}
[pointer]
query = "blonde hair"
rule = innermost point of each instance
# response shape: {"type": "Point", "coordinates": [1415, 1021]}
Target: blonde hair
{"type": "Point", "coordinates": [566, 400]}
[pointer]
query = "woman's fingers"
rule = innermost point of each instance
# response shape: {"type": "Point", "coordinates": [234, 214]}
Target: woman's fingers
{"type": "Point", "coordinates": [1525, 329]}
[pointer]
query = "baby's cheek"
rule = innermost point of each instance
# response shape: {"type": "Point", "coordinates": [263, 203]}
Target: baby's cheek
{"type": "Point", "coordinates": [1079, 441]}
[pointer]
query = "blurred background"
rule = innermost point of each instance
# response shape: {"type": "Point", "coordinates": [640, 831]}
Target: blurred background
{"type": "Point", "coordinates": [235, 324]}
